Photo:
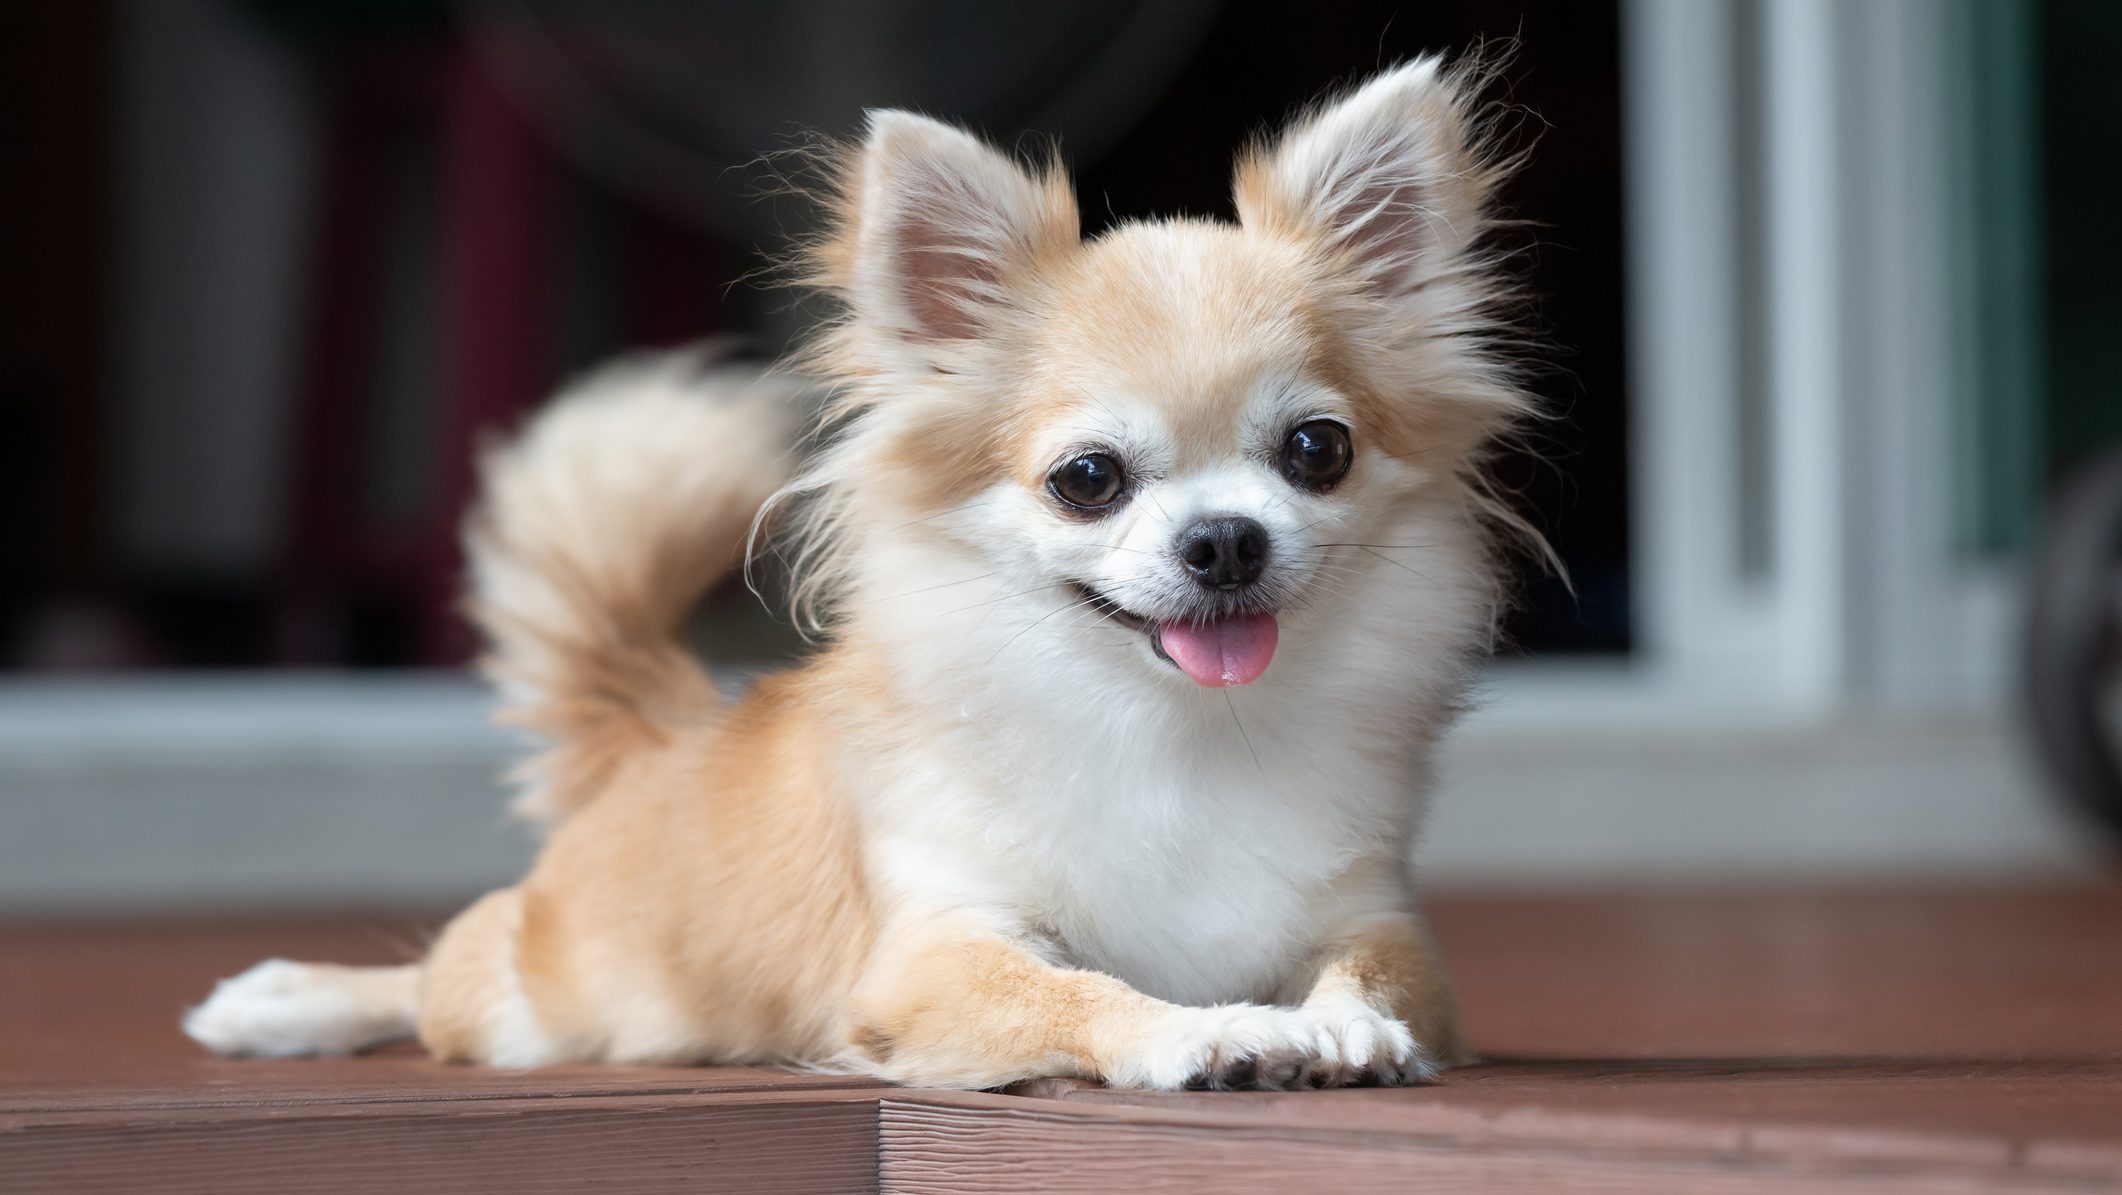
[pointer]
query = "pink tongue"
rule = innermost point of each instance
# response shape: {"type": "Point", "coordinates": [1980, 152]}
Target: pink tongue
{"type": "Point", "coordinates": [1227, 651]}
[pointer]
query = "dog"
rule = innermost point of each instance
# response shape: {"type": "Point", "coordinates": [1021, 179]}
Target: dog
{"type": "Point", "coordinates": [1150, 568]}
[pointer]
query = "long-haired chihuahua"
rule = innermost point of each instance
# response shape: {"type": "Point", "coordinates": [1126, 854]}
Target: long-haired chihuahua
{"type": "Point", "coordinates": [1150, 568]}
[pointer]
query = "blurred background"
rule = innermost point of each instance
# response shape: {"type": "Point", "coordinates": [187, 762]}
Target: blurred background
{"type": "Point", "coordinates": [1829, 287]}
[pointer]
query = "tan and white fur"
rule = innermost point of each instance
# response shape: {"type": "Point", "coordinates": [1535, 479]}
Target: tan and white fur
{"type": "Point", "coordinates": [989, 832]}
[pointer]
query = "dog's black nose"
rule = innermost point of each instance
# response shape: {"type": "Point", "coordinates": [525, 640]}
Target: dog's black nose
{"type": "Point", "coordinates": [1224, 553]}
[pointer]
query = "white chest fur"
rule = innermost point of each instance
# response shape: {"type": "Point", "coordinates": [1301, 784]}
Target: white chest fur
{"type": "Point", "coordinates": [1199, 889]}
{"type": "Point", "coordinates": [1189, 847]}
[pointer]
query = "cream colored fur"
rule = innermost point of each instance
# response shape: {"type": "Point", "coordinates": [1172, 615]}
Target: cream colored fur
{"type": "Point", "coordinates": [986, 833]}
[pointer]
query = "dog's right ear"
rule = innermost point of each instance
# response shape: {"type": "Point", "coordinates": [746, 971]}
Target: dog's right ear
{"type": "Point", "coordinates": [940, 231]}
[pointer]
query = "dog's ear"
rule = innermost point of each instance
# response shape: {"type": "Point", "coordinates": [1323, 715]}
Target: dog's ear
{"type": "Point", "coordinates": [940, 230]}
{"type": "Point", "coordinates": [1389, 177]}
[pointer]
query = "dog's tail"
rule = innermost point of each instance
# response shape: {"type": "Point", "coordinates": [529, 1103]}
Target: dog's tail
{"type": "Point", "coordinates": [600, 524]}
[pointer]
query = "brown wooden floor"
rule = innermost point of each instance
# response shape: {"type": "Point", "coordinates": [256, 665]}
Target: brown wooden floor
{"type": "Point", "coordinates": [1943, 1039]}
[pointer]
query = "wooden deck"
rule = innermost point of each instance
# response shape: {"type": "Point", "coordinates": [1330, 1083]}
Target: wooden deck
{"type": "Point", "coordinates": [1889, 1040]}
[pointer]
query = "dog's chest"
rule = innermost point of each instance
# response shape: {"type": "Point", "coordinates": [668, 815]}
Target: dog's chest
{"type": "Point", "coordinates": [1219, 931]}
{"type": "Point", "coordinates": [1197, 883]}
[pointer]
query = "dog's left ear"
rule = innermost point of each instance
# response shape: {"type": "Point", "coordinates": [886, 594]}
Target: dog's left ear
{"type": "Point", "coordinates": [1388, 177]}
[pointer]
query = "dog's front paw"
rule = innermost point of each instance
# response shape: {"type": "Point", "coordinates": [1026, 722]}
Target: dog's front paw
{"type": "Point", "coordinates": [1360, 1045]}
{"type": "Point", "coordinates": [1233, 1047]}
{"type": "Point", "coordinates": [1229, 1047]}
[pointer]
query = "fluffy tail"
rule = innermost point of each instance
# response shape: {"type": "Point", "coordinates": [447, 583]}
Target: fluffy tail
{"type": "Point", "coordinates": [601, 524]}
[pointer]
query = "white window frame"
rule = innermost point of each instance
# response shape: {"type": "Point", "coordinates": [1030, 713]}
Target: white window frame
{"type": "Point", "coordinates": [1864, 601]}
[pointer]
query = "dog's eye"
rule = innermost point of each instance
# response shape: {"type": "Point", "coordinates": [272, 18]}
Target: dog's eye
{"type": "Point", "coordinates": [1089, 481]}
{"type": "Point", "coordinates": [1317, 455]}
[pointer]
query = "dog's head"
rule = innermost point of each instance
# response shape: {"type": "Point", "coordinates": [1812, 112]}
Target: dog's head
{"type": "Point", "coordinates": [1167, 446]}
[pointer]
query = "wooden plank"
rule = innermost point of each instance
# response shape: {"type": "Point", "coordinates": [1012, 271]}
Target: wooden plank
{"type": "Point", "coordinates": [935, 1144]}
{"type": "Point", "coordinates": [397, 1075]}
{"type": "Point", "coordinates": [104, 1002]}
{"type": "Point", "coordinates": [748, 1142]}
{"type": "Point", "coordinates": [1984, 1112]}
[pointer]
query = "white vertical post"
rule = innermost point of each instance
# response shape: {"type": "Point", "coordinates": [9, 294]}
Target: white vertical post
{"type": "Point", "coordinates": [1696, 621]}
{"type": "Point", "coordinates": [1811, 413]}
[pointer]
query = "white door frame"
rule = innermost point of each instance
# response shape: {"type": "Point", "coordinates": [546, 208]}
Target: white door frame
{"type": "Point", "coordinates": [1848, 227]}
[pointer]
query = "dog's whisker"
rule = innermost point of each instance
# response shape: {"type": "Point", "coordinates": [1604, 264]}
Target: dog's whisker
{"type": "Point", "coordinates": [1240, 724]}
{"type": "Point", "coordinates": [1395, 563]}
{"type": "Point", "coordinates": [1036, 621]}
{"type": "Point", "coordinates": [968, 504]}
{"type": "Point", "coordinates": [1402, 547]}
{"type": "Point", "coordinates": [933, 588]}
{"type": "Point", "coordinates": [1004, 598]}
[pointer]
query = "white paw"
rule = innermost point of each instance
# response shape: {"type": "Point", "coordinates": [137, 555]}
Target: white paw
{"type": "Point", "coordinates": [281, 1009]}
{"type": "Point", "coordinates": [1227, 1047]}
{"type": "Point", "coordinates": [1358, 1044]}
{"type": "Point", "coordinates": [1330, 1043]}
